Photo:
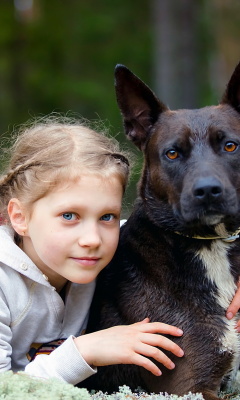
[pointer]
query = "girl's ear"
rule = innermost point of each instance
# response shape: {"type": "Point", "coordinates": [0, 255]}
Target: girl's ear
{"type": "Point", "coordinates": [17, 216]}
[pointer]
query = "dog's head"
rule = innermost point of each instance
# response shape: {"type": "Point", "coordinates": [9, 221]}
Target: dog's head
{"type": "Point", "coordinates": [192, 157]}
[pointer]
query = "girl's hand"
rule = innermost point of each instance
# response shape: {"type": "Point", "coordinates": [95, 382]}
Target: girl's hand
{"type": "Point", "coordinates": [234, 306]}
{"type": "Point", "coordinates": [130, 344]}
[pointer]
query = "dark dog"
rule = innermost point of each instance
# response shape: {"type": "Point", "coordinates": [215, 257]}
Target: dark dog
{"type": "Point", "coordinates": [178, 261]}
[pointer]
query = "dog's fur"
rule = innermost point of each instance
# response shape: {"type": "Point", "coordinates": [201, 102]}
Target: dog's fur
{"type": "Point", "coordinates": [190, 188]}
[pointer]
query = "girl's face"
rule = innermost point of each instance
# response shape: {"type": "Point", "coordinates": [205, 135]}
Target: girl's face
{"type": "Point", "coordinates": [73, 231]}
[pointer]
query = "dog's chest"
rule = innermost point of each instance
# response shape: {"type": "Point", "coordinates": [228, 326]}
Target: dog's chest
{"type": "Point", "coordinates": [218, 271]}
{"type": "Point", "coordinates": [215, 260]}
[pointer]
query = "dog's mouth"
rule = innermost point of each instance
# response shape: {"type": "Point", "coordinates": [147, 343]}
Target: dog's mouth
{"type": "Point", "coordinates": [211, 220]}
{"type": "Point", "coordinates": [196, 216]}
{"type": "Point", "coordinates": [200, 218]}
{"type": "Point", "coordinates": [202, 223]}
{"type": "Point", "coordinates": [208, 225]}
{"type": "Point", "coordinates": [209, 215]}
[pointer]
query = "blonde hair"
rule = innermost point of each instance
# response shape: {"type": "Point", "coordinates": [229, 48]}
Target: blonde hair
{"type": "Point", "coordinates": [53, 150]}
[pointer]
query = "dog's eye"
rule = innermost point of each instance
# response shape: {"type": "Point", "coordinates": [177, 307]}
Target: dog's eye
{"type": "Point", "coordinates": [172, 154]}
{"type": "Point", "coordinates": [230, 146]}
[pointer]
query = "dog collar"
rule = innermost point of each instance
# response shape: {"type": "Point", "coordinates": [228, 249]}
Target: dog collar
{"type": "Point", "coordinates": [227, 239]}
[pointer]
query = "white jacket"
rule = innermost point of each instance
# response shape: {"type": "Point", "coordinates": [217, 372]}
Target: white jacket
{"type": "Point", "coordinates": [31, 311]}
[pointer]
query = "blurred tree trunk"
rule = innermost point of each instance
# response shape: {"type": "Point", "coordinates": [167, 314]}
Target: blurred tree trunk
{"type": "Point", "coordinates": [175, 24]}
{"type": "Point", "coordinates": [226, 29]}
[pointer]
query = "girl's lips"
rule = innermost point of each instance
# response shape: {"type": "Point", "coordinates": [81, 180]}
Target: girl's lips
{"type": "Point", "coordinates": [86, 260]}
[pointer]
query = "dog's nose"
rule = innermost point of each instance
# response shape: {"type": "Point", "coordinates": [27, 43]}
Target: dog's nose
{"type": "Point", "coordinates": [207, 189]}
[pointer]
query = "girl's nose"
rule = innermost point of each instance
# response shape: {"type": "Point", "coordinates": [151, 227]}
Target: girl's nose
{"type": "Point", "coordinates": [90, 236]}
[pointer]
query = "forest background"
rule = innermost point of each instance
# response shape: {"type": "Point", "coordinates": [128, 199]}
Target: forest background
{"type": "Point", "coordinates": [59, 55]}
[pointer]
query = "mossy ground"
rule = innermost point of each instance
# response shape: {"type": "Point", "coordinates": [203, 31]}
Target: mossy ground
{"type": "Point", "coordinates": [22, 387]}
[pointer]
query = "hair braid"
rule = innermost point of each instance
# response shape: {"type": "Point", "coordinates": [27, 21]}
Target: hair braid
{"type": "Point", "coordinates": [7, 178]}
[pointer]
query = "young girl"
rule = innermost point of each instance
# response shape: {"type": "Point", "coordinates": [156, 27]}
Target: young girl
{"type": "Point", "coordinates": [60, 204]}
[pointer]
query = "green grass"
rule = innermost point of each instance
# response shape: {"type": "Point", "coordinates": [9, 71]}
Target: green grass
{"type": "Point", "coordinates": [22, 387]}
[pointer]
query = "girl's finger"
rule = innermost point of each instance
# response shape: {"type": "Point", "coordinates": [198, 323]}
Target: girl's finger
{"type": "Point", "coordinates": [156, 354]}
{"type": "Point", "coordinates": [159, 327]}
{"type": "Point", "coordinates": [234, 306]}
{"type": "Point", "coordinates": [144, 362]}
{"type": "Point", "coordinates": [163, 342]}
{"type": "Point", "coordinates": [144, 321]}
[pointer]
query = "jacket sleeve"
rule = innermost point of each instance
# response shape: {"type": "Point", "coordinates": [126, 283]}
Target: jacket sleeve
{"type": "Point", "coordinates": [64, 363]}
{"type": "Point", "coordinates": [5, 336]}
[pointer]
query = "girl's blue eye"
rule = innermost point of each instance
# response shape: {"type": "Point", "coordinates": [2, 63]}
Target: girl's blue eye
{"type": "Point", "coordinates": [107, 217]}
{"type": "Point", "coordinates": [69, 216]}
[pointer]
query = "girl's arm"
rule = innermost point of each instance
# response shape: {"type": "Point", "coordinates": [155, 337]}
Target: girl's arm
{"type": "Point", "coordinates": [77, 358]}
{"type": "Point", "coordinates": [234, 307]}
{"type": "Point", "coordinates": [130, 344]}
{"type": "Point", "coordinates": [5, 336]}
{"type": "Point", "coordinates": [64, 363]}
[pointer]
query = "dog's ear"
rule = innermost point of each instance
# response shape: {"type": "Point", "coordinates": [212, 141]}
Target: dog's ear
{"type": "Point", "coordinates": [139, 106]}
{"type": "Point", "coordinates": [232, 93]}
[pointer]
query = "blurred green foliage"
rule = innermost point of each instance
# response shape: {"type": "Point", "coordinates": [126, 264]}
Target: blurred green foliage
{"type": "Point", "coordinates": [64, 58]}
